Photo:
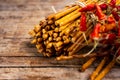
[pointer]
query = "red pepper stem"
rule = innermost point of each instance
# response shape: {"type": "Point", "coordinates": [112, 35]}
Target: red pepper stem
{"type": "Point", "coordinates": [94, 47]}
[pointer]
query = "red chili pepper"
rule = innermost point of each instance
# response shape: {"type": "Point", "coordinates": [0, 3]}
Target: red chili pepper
{"type": "Point", "coordinates": [99, 13]}
{"type": "Point", "coordinates": [95, 34]}
{"type": "Point", "coordinates": [115, 15]}
{"type": "Point", "coordinates": [112, 3]}
{"type": "Point", "coordinates": [111, 37]}
{"type": "Point", "coordinates": [110, 19]}
{"type": "Point", "coordinates": [83, 22]}
{"type": "Point", "coordinates": [88, 8]}
{"type": "Point", "coordinates": [110, 27]}
{"type": "Point", "coordinates": [103, 6]}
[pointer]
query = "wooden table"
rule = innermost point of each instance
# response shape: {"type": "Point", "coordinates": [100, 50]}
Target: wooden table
{"type": "Point", "coordinates": [19, 59]}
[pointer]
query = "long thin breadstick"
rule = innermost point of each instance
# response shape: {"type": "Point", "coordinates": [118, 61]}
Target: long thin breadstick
{"type": "Point", "coordinates": [64, 57]}
{"type": "Point", "coordinates": [105, 70]}
{"type": "Point", "coordinates": [73, 49]}
{"type": "Point", "coordinates": [78, 41]}
{"type": "Point", "coordinates": [88, 63]}
{"type": "Point", "coordinates": [67, 28]}
{"type": "Point", "coordinates": [72, 18]}
{"type": "Point", "coordinates": [63, 27]}
{"type": "Point", "coordinates": [63, 13]}
{"type": "Point", "coordinates": [117, 2]}
{"type": "Point", "coordinates": [98, 69]}
{"type": "Point", "coordinates": [75, 56]}
{"type": "Point", "coordinates": [67, 16]}
{"type": "Point", "coordinates": [76, 36]}
{"type": "Point", "coordinates": [81, 46]}
{"type": "Point", "coordinates": [32, 33]}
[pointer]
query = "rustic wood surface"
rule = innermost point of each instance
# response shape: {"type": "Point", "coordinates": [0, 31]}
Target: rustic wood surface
{"type": "Point", "coordinates": [19, 59]}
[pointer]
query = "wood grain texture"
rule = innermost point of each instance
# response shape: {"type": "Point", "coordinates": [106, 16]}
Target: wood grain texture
{"type": "Point", "coordinates": [51, 74]}
{"type": "Point", "coordinates": [19, 59]}
{"type": "Point", "coordinates": [37, 62]}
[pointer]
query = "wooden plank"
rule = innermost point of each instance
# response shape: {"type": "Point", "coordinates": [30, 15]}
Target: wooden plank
{"type": "Point", "coordinates": [43, 62]}
{"type": "Point", "coordinates": [37, 62]}
{"type": "Point", "coordinates": [16, 18]}
{"type": "Point", "coordinates": [17, 47]}
{"type": "Point", "coordinates": [52, 74]}
{"type": "Point", "coordinates": [31, 6]}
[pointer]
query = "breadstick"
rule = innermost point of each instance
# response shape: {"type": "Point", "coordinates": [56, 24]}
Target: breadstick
{"type": "Point", "coordinates": [64, 57]}
{"type": "Point", "coordinates": [39, 34]}
{"type": "Point", "coordinates": [63, 13]}
{"type": "Point", "coordinates": [98, 69]}
{"type": "Point", "coordinates": [76, 45]}
{"type": "Point", "coordinates": [50, 22]}
{"type": "Point", "coordinates": [34, 41]}
{"type": "Point", "coordinates": [49, 45]}
{"type": "Point", "coordinates": [58, 44]}
{"type": "Point", "coordinates": [40, 50]}
{"type": "Point", "coordinates": [117, 2]}
{"type": "Point", "coordinates": [88, 63]}
{"type": "Point", "coordinates": [32, 33]}
{"type": "Point", "coordinates": [51, 16]}
{"type": "Point", "coordinates": [63, 27]}
{"type": "Point", "coordinates": [37, 28]}
{"type": "Point", "coordinates": [68, 28]}
{"type": "Point", "coordinates": [76, 36]}
{"type": "Point", "coordinates": [75, 56]}
{"type": "Point", "coordinates": [105, 70]}
{"type": "Point", "coordinates": [66, 17]}
{"type": "Point", "coordinates": [72, 18]}
{"type": "Point", "coordinates": [39, 40]}
{"type": "Point", "coordinates": [58, 39]}
{"type": "Point", "coordinates": [45, 36]}
{"type": "Point", "coordinates": [38, 46]}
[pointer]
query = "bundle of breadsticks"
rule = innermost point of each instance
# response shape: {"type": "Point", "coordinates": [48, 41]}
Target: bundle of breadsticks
{"type": "Point", "coordinates": [85, 23]}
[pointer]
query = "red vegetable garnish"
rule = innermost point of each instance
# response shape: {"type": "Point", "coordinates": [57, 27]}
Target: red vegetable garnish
{"type": "Point", "coordinates": [95, 34]}
{"type": "Point", "coordinates": [109, 27]}
{"type": "Point", "coordinates": [99, 13]}
{"type": "Point", "coordinates": [83, 22]}
{"type": "Point", "coordinates": [112, 3]}
{"type": "Point", "coordinates": [115, 15]}
{"type": "Point", "coordinates": [110, 19]}
{"type": "Point", "coordinates": [111, 37]}
{"type": "Point", "coordinates": [103, 6]}
{"type": "Point", "coordinates": [108, 38]}
{"type": "Point", "coordinates": [88, 8]}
